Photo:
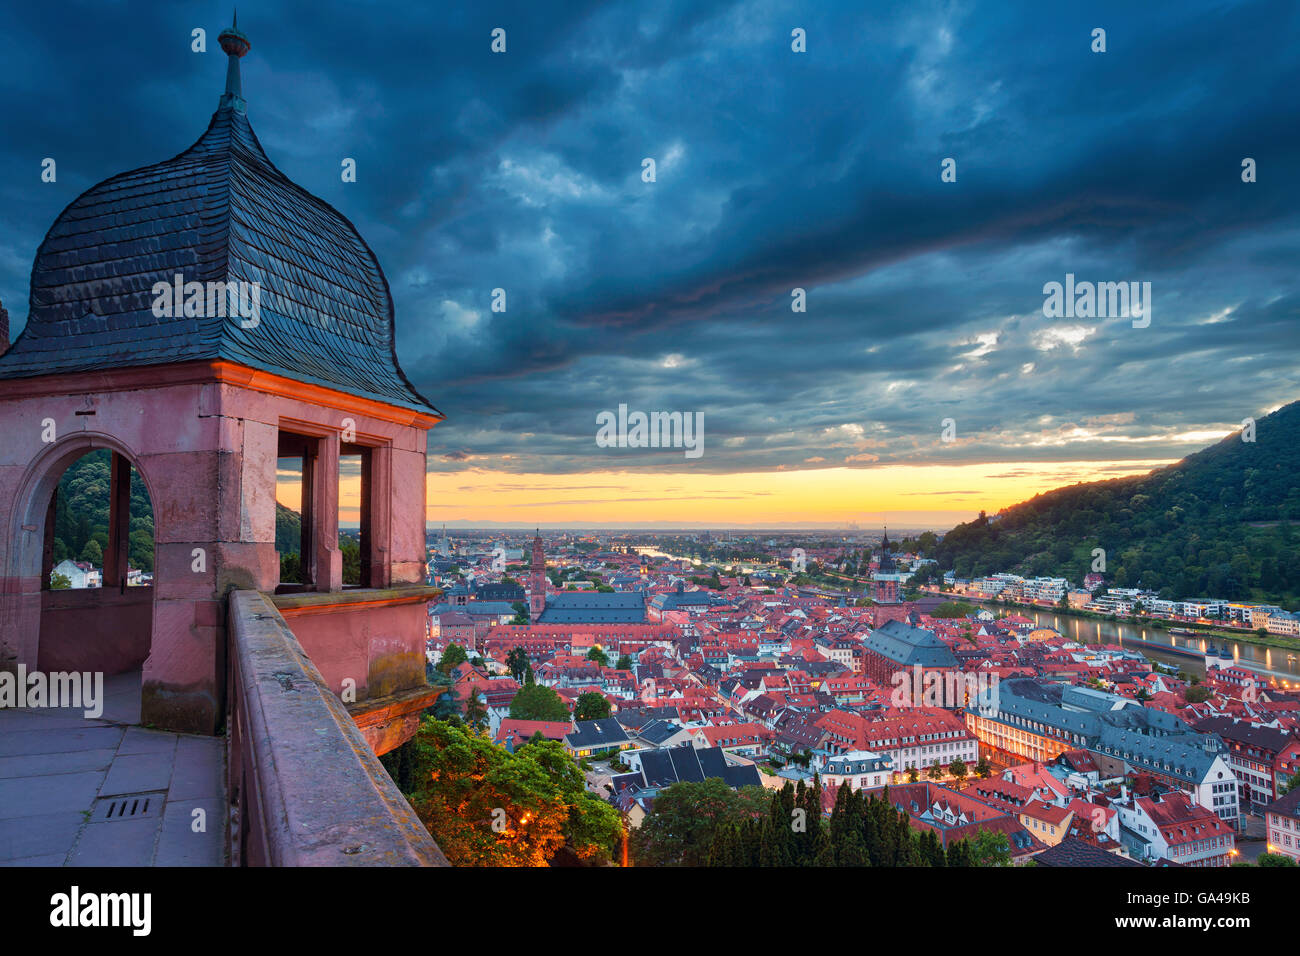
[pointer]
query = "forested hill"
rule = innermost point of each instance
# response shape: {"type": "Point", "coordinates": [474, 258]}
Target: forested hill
{"type": "Point", "coordinates": [288, 529]}
{"type": "Point", "coordinates": [1219, 523]}
{"type": "Point", "coordinates": [81, 514]}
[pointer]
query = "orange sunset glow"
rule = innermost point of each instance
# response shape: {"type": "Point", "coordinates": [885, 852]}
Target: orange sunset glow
{"type": "Point", "coordinates": [938, 495]}
{"type": "Point", "coordinates": [924, 495]}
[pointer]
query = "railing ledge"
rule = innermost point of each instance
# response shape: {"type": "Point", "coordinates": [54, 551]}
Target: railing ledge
{"type": "Point", "coordinates": [308, 789]}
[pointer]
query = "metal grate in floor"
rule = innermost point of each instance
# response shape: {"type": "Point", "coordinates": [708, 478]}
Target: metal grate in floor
{"type": "Point", "coordinates": [128, 806]}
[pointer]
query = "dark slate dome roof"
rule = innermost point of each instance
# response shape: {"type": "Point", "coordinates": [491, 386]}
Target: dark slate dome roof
{"type": "Point", "coordinates": [218, 212]}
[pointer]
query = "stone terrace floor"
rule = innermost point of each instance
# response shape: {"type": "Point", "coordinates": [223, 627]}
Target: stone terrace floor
{"type": "Point", "coordinates": [62, 775]}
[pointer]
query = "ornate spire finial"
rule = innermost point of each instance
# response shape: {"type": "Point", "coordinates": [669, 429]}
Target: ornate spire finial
{"type": "Point", "coordinates": [236, 46]}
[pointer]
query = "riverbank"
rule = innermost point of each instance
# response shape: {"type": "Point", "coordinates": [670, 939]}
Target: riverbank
{"type": "Point", "coordinates": [1277, 641]}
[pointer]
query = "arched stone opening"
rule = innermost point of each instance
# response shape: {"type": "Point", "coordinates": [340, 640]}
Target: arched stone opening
{"type": "Point", "coordinates": [103, 626]}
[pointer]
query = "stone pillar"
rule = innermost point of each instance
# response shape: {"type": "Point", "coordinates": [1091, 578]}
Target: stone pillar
{"type": "Point", "coordinates": [378, 504]}
{"type": "Point", "coordinates": [325, 514]}
{"type": "Point", "coordinates": [116, 558]}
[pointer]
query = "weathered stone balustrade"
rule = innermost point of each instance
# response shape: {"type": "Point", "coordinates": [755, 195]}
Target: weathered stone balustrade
{"type": "Point", "coordinates": [306, 788]}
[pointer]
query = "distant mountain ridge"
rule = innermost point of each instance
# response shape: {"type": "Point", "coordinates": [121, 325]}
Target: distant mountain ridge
{"type": "Point", "coordinates": [1216, 524]}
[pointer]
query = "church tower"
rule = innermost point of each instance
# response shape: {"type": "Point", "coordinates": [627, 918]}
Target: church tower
{"type": "Point", "coordinates": [886, 589]}
{"type": "Point", "coordinates": [537, 580]}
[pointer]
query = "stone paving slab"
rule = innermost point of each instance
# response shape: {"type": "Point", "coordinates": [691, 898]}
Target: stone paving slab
{"type": "Point", "coordinates": [40, 835]}
{"type": "Point", "coordinates": [120, 843]}
{"type": "Point", "coordinates": [138, 740]}
{"type": "Point", "coordinates": [199, 770]}
{"type": "Point", "coordinates": [52, 859]}
{"type": "Point", "coordinates": [40, 765]}
{"type": "Point", "coordinates": [62, 740]}
{"type": "Point", "coordinates": [180, 845]}
{"type": "Point", "coordinates": [138, 773]}
{"type": "Point", "coordinates": [34, 796]}
{"type": "Point", "coordinates": [15, 720]}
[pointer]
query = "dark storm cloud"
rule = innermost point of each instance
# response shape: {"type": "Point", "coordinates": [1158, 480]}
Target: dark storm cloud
{"type": "Point", "coordinates": [775, 170]}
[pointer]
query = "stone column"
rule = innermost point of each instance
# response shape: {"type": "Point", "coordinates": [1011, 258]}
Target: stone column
{"type": "Point", "coordinates": [325, 515]}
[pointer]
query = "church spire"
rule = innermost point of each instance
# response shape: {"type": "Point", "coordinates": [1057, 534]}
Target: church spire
{"type": "Point", "coordinates": [236, 46]}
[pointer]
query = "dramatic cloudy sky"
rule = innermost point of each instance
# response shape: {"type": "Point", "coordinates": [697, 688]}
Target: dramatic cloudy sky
{"type": "Point", "coordinates": [776, 170]}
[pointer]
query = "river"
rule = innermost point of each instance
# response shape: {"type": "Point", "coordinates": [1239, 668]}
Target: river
{"type": "Point", "coordinates": [1275, 661]}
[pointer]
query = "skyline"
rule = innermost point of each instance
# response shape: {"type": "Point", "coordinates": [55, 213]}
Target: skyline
{"type": "Point", "coordinates": [887, 456]}
{"type": "Point", "coordinates": [924, 298]}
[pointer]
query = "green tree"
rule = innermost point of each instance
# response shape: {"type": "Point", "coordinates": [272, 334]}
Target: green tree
{"type": "Point", "coordinates": [518, 663]}
{"type": "Point", "coordinates": [591, 706]}
{"type": "Point", "coordinates": [487, 807]}
{"type": "Point", "coordinates": [452, 658]}
{"type": "Point", "coordinates": [1274, 859]}
{"type": "Point", "coordinates": [351, 552]}
{"type": "Point", "coordinates": [991, 848]}
{"type": "Point", "coordinates": [475, 710]}
{"type": "Point", "coordinates": [400, 764]}
{"type": "Point", "coordinates": [682, 827]}
{"type": "Point", "coordinates": [597, 655]}
{"type": "Point", "coordinates": [931, 850]}
{"type": "Point", "coordinates": [594, 829]}
{"type": "Point", "coordinates": [93, 553]}
{"type": "Point", "coordinates": [290, 568]}
{"type": "Point", "coordinates": [983, 769]}
{"type": "Point", "coordinates": [538, 702]}
{"type": "Point", "coordinates": [624, 663]}
{"type": "Point", "coordinates": [958, 770]}
{"type": "Point", "coordinates": [59, 581]}
{"type": "Point", "coordinates": [959, 854]}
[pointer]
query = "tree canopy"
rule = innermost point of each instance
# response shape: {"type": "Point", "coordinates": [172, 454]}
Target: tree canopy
{"type": "Point", "coordinates": [538, 702]}
{"type": "Point", "coordinates": [591, 706]}
{"type": "Point", "coordinates": [488, 807]}
{"type": "Point", "coordinates": [452, 658]}
{"type": "Point", "coordinates": [708, 824]}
